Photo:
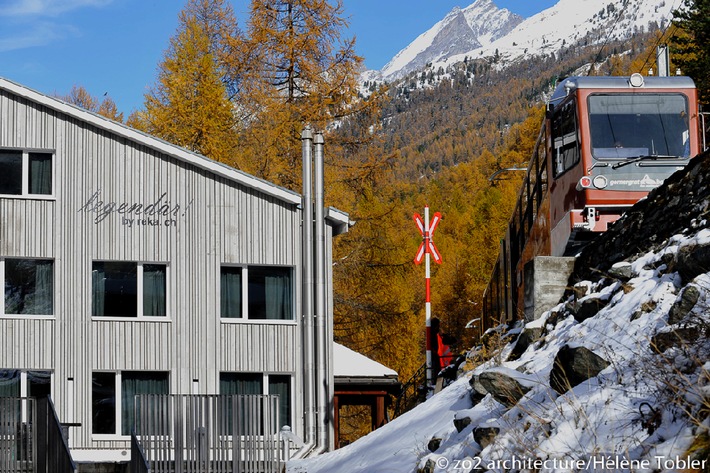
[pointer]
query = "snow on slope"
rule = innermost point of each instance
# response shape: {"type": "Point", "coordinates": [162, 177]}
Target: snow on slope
{"type": "Point", "coordinates": [460, 31]}
{"type": "Point", "coordinates": [570, 20]}
{"type": "Point", "coordinates": [544, 33]}
{"type": "Point", "coordinates": [598, 425]}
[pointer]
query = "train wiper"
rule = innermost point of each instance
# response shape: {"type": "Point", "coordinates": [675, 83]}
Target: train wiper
{"type": "Point", "coordinates": [647, 157]}
{"type": "Point", "coordinates": [597, 164]}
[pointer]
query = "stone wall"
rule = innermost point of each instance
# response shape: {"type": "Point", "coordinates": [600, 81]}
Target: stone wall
{"type": "Point", "coordinates": [682, 202]}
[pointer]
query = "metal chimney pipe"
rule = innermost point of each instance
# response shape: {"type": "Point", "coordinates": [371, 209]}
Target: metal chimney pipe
{"type": "Point", "coordinates": [309, 381]}
{"type": "Point", "coordinates": [322, 358]}
{"type": "Point", "coordinates": [663, 61]}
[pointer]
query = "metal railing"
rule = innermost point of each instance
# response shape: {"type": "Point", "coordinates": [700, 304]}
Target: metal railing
{"type": "Point", "coordinates": [31, 438]}
{"type": "Point", "coordinates": [500, 299]}
{"type": "Point", "coordinates": [216, 434]}
{"type": "Point", "coordinates": [139, 464]}
{"type": "Point", "coordinates": [17, 449]}
{"type": "Point", "coordinates": [414, 392]}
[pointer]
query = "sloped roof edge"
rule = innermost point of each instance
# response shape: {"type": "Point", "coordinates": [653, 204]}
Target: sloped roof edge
{"type": "Point", "coordinates": [348, 363]}
{"type": "Point", "coordinates": [152, 142]}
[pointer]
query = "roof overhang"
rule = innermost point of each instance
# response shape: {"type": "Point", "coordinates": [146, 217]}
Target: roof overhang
{"type": "Point", "coordinates": [339, 220]}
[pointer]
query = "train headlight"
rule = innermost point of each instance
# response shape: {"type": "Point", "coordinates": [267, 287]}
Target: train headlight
{"type": "Point", "coordinates": [600, 182]}
{"type": "Point", "coordinates": [636, 80]}
{"type": "Point", "coordinates": [584, 183]}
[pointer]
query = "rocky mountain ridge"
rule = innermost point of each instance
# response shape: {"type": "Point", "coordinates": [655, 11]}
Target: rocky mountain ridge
{"type": "Point", "coordinates": [462, 30]}
{"type": "Point", "coordinates": [483, 30]}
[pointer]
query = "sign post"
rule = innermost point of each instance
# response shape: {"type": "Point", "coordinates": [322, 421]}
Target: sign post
{"type": "Point", "coordinates": [427, 247]}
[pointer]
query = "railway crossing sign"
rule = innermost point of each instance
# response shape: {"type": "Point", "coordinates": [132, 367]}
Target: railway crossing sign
{"type": "Point", "coordinates": [427, 230]}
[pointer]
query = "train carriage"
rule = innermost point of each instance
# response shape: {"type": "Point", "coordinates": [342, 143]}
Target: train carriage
{"type": "Point", "coordinates": [605, 143]}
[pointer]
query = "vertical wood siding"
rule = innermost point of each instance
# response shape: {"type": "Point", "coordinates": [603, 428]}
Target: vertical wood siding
{"type": "Point", "coordinates": [218, 221]}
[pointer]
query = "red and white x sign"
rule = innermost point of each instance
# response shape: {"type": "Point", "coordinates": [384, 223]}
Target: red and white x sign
{"type": "Point", "coordinates": [427, 245]}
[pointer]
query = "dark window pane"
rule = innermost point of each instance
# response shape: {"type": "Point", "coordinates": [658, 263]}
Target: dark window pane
{"type": "Point", "coordinates": [39, 383]}
{"type": "Point", "coordinates": [230, 304]}
{"type": "Point", "coordinates": [281, 385]}
{"type": "Point", "coordinates": [9, 383]}
{"type": "Point", "coordinates": [154, 290]}
{"type": "Point", "coordinates": [40, 173]}
{"type": "Point", "coordinates": [270, 293]}
{"type": "Point", "coordinates": [29, 287]}
{"type": "Point", "coordinates": [103, 403]}
{"type": "Point", "coordinates": [564, 132]}
{"type": "Point", "coordinates": [240, 383]}
{"type": "Point", "coordinates": [632, 125]}
{"type": "Point", "coordinates": [11, 172]}
{"type": "Point", "coordinates": [235, 410]}
{"type": "Point", "coordinates": [114, 289]}
{"type": "Point", "coordinates": [134, 383]}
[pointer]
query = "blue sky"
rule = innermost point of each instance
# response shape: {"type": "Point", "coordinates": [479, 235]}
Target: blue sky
{"type": "Point", "coordinates": [115, 46]}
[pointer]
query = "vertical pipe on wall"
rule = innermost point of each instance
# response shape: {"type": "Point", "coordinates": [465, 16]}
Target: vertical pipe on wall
{"type": "Point", "coordinates": [308, 290]}
{"type": "Point", "coordinates": [323, 406]}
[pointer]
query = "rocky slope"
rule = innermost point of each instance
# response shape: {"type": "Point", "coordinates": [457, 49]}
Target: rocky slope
{"type": "Point", "coordinates": [614, 378]}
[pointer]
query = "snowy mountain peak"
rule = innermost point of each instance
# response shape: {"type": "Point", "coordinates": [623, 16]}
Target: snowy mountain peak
{"type": "Point", "coordinates": [462, 30]}
{"type": "Point", "coordinates": [484, 30]}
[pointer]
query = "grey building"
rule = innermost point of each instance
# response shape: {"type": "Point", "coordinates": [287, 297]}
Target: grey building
{"type": "Point", "coordinates": [133, 266]}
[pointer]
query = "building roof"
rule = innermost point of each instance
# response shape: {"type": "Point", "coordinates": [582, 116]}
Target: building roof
{"type": "Point", "coordinates": [152, 142]}
{"type": "Point", "coordinates": [351, 364]}
{"type": "Point", "coordinates": [339, 220]}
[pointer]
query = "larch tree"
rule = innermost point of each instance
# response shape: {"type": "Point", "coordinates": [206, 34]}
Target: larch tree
{"type": "Point", "coordinates": [691, 51]}
{"type": "Point", "coordinates": [245, 99]}
{"type": "Point", "coordinates": [190, 103]}
{"type": "Point", "coordinates": [81, 97]}
{"type": "Point", "coordinates": [297, 70]}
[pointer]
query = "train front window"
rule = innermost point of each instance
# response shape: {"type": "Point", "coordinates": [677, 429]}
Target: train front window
{"type": "Point", "coordinates": [626, 126]}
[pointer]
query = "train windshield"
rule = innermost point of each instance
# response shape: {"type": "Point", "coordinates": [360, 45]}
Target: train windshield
{"type": "Point", "coordinates": [626, 126]}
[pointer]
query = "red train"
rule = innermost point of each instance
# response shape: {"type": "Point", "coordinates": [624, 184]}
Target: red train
{"type": "Point", "coordinates": [604, 144]}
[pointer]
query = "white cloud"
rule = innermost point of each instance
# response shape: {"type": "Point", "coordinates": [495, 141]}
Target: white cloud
{"type": "Point", "coordinates": [36, 34]}
{"type": "Point", "coordinates": [33, 23]}
{"type": "Point", "coordinates": [18, 8]}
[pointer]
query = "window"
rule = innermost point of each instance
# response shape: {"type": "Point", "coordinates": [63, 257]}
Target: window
{"type": "Point", "coordinates": [626, 126]}
{"type": "Point", "coordinates": [16, 383]}
{"type": "Point", "coordinates": [564, 138]}
{"type": "Point", "coordinates": [23, 384]}
{"type": "Point", "coordinates": [241, 383]}
{"type": "Point", "coordinates": [269, 293]}
{"type": "Point", "coordinates": [114, 289]}
{"type": "Point", "coordinates": [260, 384]}
{"type": "Point", "coordinates": [280, 385]}
{"type": "Point", "coordinates": [29, 286]}
{"type": "Point", "coordinates": [25, 173]}
{"type": "Point", "coordinates": [113, 398]}
{"type": "Point", "coordinates": [231, 292]}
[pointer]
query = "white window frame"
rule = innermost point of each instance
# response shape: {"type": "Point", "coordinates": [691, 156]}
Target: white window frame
{"type": "Point", "coordinates": [265, 389]}
{"type": "Point", "coordinates": [139, 293]}
{"type": "Point", "coordinates": [118, 395]}
{"type": "Point", "coordinates": [25, 194]}
{"type": "Point", "coordinates": [245, 295]}
{"type": "Point", "coordinates": [3, 315]}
